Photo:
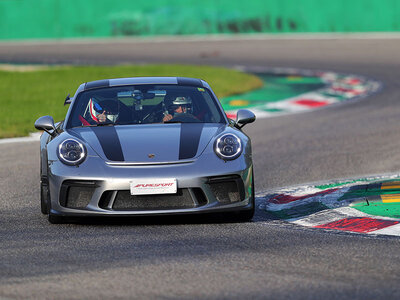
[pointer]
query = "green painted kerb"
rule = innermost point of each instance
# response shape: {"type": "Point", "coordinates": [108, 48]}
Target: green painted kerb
{"type": "Point", "coordinates": [391, 210]}
{"type": "Point", "coordinates": [369, 199]}
{"type": "Point", "coordinates": [27, 19]}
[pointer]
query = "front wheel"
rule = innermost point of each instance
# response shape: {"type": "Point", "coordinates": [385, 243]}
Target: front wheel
{"type": "Point", "coordinates": [45, 205]}
{"type": "Point", "coordinates": [247, 215]}
{"type": "Point", "coordinates": [44, 198]}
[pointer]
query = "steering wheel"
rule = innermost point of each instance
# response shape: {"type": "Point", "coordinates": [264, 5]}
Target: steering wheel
{"type": "Point", "coordinates": [152, 115]}
{"type": "Point", "coordinates": [184, 118]}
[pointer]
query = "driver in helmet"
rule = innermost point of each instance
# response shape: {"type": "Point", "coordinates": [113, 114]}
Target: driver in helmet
{"type": "Point", "coordinates": [181, 105]}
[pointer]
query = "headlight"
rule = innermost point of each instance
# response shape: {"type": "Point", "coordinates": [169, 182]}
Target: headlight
{"type": "Point", "coordinates": [71, 152]}
{"type": "Point", "coordinates": [228, 146]}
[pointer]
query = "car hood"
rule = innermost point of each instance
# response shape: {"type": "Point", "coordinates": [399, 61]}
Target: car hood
{"type": "Point", "coordinates": [148, 143]}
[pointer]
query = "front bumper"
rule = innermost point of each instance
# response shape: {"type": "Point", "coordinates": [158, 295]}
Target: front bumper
{"type": "Point", "coordinates": [98, 189]}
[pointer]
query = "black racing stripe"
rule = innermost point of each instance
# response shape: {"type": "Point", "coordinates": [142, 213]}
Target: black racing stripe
{"type": "Point", "coordinates": [97, 84]}
{"type": "Point", "coordinates": [189, 140]}
{"type": "Point", "coordinates": [110, 143]}
{"type": "Point", "coordinates": [189, 81]}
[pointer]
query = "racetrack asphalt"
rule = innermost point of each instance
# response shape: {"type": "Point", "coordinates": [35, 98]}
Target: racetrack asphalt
{"type": "Point", "coordinates": [213, 259]}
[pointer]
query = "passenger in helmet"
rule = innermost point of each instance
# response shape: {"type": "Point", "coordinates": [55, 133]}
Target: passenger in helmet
{"type": "Point", "coordinates": [103, 111]}
{"type": "Point", "coordinates": [181, 105]}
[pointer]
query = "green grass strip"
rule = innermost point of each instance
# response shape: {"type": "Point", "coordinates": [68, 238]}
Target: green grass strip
{"type": "Point", "coordinates": [25, 96]}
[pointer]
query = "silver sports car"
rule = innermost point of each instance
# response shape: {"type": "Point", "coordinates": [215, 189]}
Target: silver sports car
{"type": "Point", "coordinates": [145, 146]}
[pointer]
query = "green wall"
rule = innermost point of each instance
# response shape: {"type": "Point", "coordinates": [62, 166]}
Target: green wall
{"type": "Point", "coordinates": [25, 19]}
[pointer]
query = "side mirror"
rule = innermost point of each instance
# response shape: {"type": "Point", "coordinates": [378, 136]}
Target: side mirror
{"type": "Point", "coordinates": [46, 123]}
{"type": "Point", "coordinates": [244, 117]}
{"type": "Point", "coordinates": [67, 100]}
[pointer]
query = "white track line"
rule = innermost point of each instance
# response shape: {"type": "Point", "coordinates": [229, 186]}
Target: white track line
{"type": "Point", "coordinates": [33, 137]}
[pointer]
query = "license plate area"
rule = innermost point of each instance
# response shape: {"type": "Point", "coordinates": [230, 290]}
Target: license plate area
{"type": "Point", "coordinates": [153, 186]}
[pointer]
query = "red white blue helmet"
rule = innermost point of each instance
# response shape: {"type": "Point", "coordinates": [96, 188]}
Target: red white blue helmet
{"type": "Point", "coordinates": [109, 108]}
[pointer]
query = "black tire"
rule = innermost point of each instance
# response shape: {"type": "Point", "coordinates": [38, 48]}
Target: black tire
{"type": "Point", "coordinates": [44, 198]}
{"type": "Point", "coordinates": [247, 215]}
{"type": "Point", "coordinates": [53, 219]}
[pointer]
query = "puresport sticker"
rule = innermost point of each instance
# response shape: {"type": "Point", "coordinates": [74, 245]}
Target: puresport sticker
{"type": "Point", "coordinates": [153, 186]}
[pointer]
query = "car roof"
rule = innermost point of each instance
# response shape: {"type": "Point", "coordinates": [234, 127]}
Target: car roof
{"type": "Point", "coordinates": [185, 81]}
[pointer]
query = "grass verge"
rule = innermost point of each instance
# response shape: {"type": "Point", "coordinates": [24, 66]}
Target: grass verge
{"type": "Point", "coordinates": [25, 96]}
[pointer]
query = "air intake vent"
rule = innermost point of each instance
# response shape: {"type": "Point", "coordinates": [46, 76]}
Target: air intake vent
{"type": "Point", "coordinates": [125, 201]}
{"type": "Point", "coordinates": [76, 194]}
{"type": "Point", "coordinates": [227, 189]}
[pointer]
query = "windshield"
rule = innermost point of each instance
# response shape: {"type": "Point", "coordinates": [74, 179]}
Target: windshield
{"type": "Point", "coordinates": [144, 104]}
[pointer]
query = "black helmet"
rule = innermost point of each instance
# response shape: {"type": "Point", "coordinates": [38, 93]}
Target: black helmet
{"type": "Point", "coordinates": [182, 101]}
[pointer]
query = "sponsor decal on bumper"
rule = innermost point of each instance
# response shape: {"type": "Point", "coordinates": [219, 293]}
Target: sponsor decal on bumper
{"type": "Point", "coordinates": [153, 186]}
